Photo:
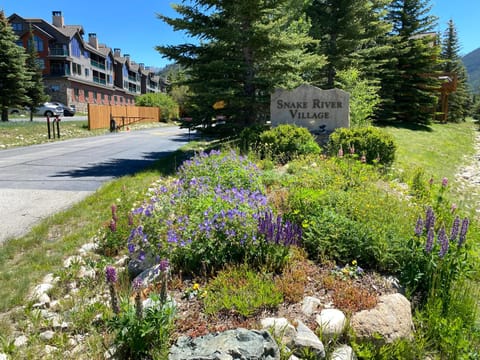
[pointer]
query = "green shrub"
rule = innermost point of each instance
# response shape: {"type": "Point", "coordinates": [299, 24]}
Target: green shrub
{"type": "Point", "coordinates": [249, 138]}
{"type": "Point", "coordinates": [285, 142]}
{"type": "Point", "coordinates": [242, 290]}
{"type": "Point", "coordinates": [376, 145]}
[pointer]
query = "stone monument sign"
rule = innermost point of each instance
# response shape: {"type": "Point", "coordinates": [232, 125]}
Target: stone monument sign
{"type": "Point", "coordinates": [320, 111]}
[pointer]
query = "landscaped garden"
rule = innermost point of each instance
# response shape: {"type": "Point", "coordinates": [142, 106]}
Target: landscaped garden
{"type": "Point", "coordinates": [245, 229]}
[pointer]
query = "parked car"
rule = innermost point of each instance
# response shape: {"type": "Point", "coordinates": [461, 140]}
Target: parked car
{"type": "Point", "coordinates": [48, 109]}
{"type": "Point", "coordinates": [17, 111]}
{"type": "Point", "coordinates": [67, 110]}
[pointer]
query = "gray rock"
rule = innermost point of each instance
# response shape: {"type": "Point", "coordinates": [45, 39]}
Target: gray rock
{"type": "Point", "coordinates": [3, 356]}
{"type": "Point", "coordinates": [47, 335]}
{"type": "Point", "coordinates": [281, 327]}
{"type": "Point", "coordinates": [83, 272]}
{"type": "Point", "coordinates": [75, 259]}
{"type": "Point", "coordinates": [343, 352]}
{"type": "Point", "coordinates": [22, 340]}
{"type": "Point", "coordinates": [40, 290]}
{"type": "Point", "coordinates": [310, 305]}
{"type": "Point", "coordinates": [150, 275]}
{"type": "Point", "coordinates": [332, 322]}
{"type": "Point", "coordinates": [87, 248]}
{"type": "Point", "coordinates": [306, 339]}
{"type": "Point", "coordinates": [239, 344]}
{"type": "Point", "coordinates": [391, 319]}
{"type": "Point", "coordinates": [50, 349]}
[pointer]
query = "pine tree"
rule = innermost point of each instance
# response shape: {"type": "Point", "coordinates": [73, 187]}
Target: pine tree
{"type": "Point", "coordinates": [460, 100]}
{"type": "Point", "coordinates": [246, 49]}
{"type": "Point", "coordinates": [13, 75]}
{"type": "Point", "coordinates": [409, 88]}
{"type": "Point", "coordinates": [35, 88]}
{"type": "Point", "coordinates": [351, 33]}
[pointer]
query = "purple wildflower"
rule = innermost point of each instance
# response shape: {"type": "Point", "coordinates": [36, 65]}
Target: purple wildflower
{"type": "Point", "coordinates": [443, 241]}
{"type": "Point", "coordinates": [114, 212]}
{"type": "Point", "coordinates": [340, 152]}
{"type": "Point", "coordinates": [453, 208]}
{"type": "Point", "coordinates": [363, 159]}
{"type": "Point", "coordinates": [164, 265]}
{"type": "Point", "coordinates": [111, 274]}
{"type": "Point", "coordinates": [137, 284]}
{"type": "Point", "coordinates": [429, 219]}
{"type": "Point", "coordinates": [419, 227]}
{"type": "Point", "coordinates": [444, 182]}
{"type": "Point", "coordinates": [430, 241]}
{"type": "Point", "coordinates": [131, 248]}
{"type": "Point", "coordinates": [454, 231]}
{"type": "Point", "coordinates": [463, 232]}
{"type": "Point", "coordinates": [141, 256]}
{"type": "Point", "coordinates": [113, 225]}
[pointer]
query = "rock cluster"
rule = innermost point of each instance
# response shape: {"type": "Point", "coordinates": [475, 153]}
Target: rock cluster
{"type": "Point", "coordinates": [391, 319]}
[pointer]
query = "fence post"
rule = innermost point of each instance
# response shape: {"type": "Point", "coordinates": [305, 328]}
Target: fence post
{"type": "Point", "coordinates": [48, 126]}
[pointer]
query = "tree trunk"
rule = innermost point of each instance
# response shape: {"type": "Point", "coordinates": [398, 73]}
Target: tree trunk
{"type": "Point", "coordinates": [4, 114]}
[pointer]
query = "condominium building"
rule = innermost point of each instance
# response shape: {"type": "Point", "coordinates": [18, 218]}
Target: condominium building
{"type": "Point", "coordinates": [80, 71]}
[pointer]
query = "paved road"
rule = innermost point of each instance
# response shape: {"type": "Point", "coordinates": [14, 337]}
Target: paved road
{"type": "Point", "coordinates": [40, 180]}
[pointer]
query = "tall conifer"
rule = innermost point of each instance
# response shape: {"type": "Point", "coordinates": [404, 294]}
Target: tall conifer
{"type": "Point", "coordinates": [460, 100]}
{"type": "Point", "coordinates": [245, 49]}
{"type": "Point", "coordinates": [13, 75]}
{"type": "Point", "coordinates": [409, 88]}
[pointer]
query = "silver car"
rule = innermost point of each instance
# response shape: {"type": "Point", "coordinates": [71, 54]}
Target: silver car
{"type": "Point", "coordinates": [49, 109]}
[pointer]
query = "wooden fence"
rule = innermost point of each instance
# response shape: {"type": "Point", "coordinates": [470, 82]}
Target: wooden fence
{"type": "Point", "coordinates": [100, 116]}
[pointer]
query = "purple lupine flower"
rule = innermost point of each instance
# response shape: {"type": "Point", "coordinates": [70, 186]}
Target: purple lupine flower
{"type": "Point", "coordinates": [429, 219]}
{"type": "Point", "coordinates": [111, 274]}
{"type": "Point", "coordinates": [419, 227]}
{"type": "Point", "coordinates": [164, 265]}
{"type": "Point", "coordinates": [430, 241]}
{"type": "Point", "coordinates": [114, 212]}
{"type": "Point", "coordinates": [444, 182]}
{"type": "Point", "coordinates": [443, 241]}
{"type": "Point", "coordinates": [131, 248]}
{"type": "Point", "coordinates": [113, 225]}
{"type": "Point", "coordinates": [463, 232]}
{"type": "Point", "coordinates": [137, 284]}
{"type": "Point", "coordinates": [454, 231]}
{"type": "Point", "coordinates": [453, 208]}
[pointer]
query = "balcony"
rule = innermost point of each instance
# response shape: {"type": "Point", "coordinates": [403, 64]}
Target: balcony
{"type": "Point", "coordinates": [97, 64]}
{"type": "Point", "coordinates": [99, 80]}
{"type": "Point", "coordinates": [58, 52]}
{"type": "Point", "coordinates": [59, 72]}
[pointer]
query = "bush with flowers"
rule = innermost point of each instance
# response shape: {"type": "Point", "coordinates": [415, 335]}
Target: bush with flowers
{"type": "Point", "coordinates": [204, 219]}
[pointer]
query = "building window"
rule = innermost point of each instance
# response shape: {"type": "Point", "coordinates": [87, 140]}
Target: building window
{"type": "Point", "coordinates": [40, 63]}
{"type": "Point", "coordinates": [76, 93]}
{"type": "Point", "coordinates": [77, 69]}
{"type": "Point", "coordinates": [95, 96]}
{"type": "Point", "coordinates": [38, 43]}
{"type": "Point", "coordinates": [17, 27]}
{"type": "Point", "coordinates": [87, 72]}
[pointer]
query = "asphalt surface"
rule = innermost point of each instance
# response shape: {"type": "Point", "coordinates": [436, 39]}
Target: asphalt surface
{"type": "Point", "coordinates": [40, 180]}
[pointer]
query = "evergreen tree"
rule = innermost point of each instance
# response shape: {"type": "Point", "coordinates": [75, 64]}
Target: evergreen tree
{"type": "Point", "coordinates": [35, 88]}
{"type": "Point", "coordinates": [13, 75]}
{"type": "Point", "coordinates": [460, 100]}
{"type": "Point", "coordinates": [246, 49]}
{"type": "Point", "coordinates": [409, 88]}
{"type": "Point", "coordinates": [351, 33]}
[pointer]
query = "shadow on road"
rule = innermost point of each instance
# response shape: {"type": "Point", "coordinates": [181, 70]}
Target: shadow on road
{"type": "Point", "coordinates": [116, 168]}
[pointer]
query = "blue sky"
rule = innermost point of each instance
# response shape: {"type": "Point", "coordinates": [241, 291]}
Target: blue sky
{"type": "Point", "coordinates": [134, 28]}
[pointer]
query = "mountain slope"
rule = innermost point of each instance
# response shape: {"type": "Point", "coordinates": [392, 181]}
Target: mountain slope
{"type": "Point", "coordinates": [472, 64]}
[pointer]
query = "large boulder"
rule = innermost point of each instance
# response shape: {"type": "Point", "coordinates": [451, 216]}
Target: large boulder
{"type": "Point", "coordinates": [332, 322]}
{"type": "Point", "coordinates": [391, 319]}
{"type": "Point", "coordinates": [239, 344]}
